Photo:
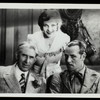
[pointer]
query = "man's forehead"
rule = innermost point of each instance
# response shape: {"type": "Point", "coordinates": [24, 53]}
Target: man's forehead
{"type": "Point", "coordinates": [72, 49]}
{"type": "Point", "coordinates": [25, 49]}
{"type": "Point", "coordinates": [28, 51]}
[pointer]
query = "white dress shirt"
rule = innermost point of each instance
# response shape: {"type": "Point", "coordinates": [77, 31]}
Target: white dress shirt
{"type": "Point", "coordinates": [18, 73]}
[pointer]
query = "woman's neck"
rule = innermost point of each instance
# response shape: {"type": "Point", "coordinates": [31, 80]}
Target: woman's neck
{"type": "Point", "coordinates": [48, 42]}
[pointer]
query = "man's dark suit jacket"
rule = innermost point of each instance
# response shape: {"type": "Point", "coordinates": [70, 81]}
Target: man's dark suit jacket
{"type": "Point", "coordinates": [58, 83]}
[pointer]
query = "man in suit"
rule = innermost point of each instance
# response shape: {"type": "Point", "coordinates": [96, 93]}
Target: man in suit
{"type": "Point", "coordinates": [20, 78]}
{"type": "Point", "coordinates": [77, 78]}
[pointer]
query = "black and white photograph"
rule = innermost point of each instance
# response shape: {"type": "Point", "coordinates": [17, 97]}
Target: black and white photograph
{"type": "Point", "coordinates": [49, 50]}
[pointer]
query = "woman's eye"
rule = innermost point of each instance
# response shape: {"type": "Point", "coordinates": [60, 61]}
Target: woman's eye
{"type": "Point", "coordinates": [45, 25]}
{"type": "Point", "coordinates": [53, 25]}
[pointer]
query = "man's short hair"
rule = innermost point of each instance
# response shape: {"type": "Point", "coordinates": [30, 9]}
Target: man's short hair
{"type": "Point", "coordinates": [47, 15]}
{"type": "Point", "coordinates": [26, 44]}
{"type": "Point", "coordinates": [81, 44]}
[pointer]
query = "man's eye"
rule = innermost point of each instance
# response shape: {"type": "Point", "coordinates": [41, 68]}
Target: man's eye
{"type": "Point", "coordinates": [31, 57]}
{"type": "Point", "coordinates": [72, 56]}
{"type": "Point", "coordinates": [23, 55]}
{"type": "Point", "coordinates": [66, 56]}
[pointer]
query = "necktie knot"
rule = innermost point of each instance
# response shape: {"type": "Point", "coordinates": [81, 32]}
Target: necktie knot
{"type": "Point", "coordinates": [76, 81]}
{"type": "Point", "coordinates": [23, 75]}
{"type": "Point", "coordinates": [77, 75]}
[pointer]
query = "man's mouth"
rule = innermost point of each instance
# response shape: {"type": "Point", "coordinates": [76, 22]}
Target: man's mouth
{"type": "Point", "coordinates": [70, 64]}
{"type": "Point", "coordinates": [25, 65]}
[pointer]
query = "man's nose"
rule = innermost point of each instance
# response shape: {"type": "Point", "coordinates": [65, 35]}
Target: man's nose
{"type": "Point", "coordinates": [27, 60]}
{"type": "Point", "coordinates": [69, 59]}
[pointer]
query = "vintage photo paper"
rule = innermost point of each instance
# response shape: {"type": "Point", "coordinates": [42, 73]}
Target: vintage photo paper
{"type": "Point", "coordinates": [17, 20]}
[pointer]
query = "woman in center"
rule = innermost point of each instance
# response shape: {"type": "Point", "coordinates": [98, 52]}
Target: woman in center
{"type": "Point", "coordinates": [50, 42]}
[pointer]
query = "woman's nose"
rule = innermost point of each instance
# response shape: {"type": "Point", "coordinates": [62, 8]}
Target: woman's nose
{"type": "Point", "coordinates": [50, 28]}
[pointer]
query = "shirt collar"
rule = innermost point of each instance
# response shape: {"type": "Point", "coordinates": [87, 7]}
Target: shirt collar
{"type": "Point", "coordinates": [82, 71]}
{"type": "Point", "coordinates": [18, 73]}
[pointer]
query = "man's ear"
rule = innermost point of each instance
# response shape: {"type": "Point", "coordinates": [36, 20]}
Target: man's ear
{"type": "Point", "coordinates": [83, 56]}
{"type": "Point", "coordinates": [17, 56]}
{"type": "Point", "coordinates": [57, 27]}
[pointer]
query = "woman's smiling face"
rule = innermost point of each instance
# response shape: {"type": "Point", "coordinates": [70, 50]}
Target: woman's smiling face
{"type": "Point", "coordinates": [50, 27]}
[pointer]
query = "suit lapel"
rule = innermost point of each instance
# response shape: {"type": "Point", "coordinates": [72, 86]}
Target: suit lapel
{"type": "Point", "coordinates": [65, 81]}
{"type": "Point", "coordinates": [89, 81]}
{"type": "Point", "coordinates": [30, 88]}
{"type": "Point", "coordinates": [12, 81]}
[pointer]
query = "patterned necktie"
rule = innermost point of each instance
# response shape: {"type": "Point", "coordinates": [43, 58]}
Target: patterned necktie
{"type": "Point", "coordinates": [22, 82]}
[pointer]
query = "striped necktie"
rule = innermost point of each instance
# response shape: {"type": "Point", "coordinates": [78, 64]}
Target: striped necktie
{"type": "Point", "coordinates": [22, 82]}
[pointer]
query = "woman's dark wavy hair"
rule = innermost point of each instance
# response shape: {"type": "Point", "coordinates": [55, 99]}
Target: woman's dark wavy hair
{"type": "Point", "coordinates": [47, 15]}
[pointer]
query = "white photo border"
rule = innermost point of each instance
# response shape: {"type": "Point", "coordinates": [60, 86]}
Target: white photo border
{"type": "Point", "coordinates": [48, 6]}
